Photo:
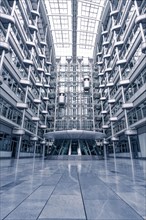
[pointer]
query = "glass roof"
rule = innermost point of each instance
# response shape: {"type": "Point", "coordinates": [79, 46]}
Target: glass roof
{"type": "Point", "coordinates": [88, 14]}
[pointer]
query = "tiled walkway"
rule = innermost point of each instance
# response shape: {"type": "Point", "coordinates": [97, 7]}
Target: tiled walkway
{"type": "Point", "coordinates": [46, 190]}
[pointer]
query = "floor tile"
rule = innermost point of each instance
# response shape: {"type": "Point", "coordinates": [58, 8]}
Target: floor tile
{"type": "Point", "coordinates": [110, 210]}
{"type": "Point", "coordinates": [77, 190]}
{"type": "Point", "coordinates": [64, 207]}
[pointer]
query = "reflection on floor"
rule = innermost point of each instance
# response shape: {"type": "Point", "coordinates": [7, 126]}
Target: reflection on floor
{"type": "Point", "coordinates": [46, 190]}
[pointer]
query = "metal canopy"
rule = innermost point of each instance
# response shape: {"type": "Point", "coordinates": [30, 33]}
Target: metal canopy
{"type": "Point", "coordinates": [74, 25]}
{"type": "Point", "coordinates": [74, 134]}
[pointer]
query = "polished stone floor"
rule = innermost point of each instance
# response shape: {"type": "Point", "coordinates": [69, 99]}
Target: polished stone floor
{"type": "Point", "coordinates": [50, 190]}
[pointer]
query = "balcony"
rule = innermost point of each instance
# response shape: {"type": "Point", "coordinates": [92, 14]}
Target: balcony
{"type": "Point", "coordinates": [105, 43]}
{"type": "Point", "coordinates": [47, 74]}
{"type": "Point", "coordinates": [141, 19]}
{"type": "Point", "coordinates": [100, 63]}
{"type": "Point", "coordinates": [103, 98]}
{"type": "Point", "coordinates": [42, 56]}
{"type": "Point", "coordinates": [101, 86]}
{"type": "Point", "coordinates": [47, 86]}
{"type": "Point", "coordinates": [99, 54]}
{"type": "Point", "coordinates": [32, 28]}
{"type": "Point", "coordinates": [115, 139]}
{"type": "Point", "coordinates": [34, 138]}
{"type": "Point", "coordinates": [18, 131]}
{"type": "Point", "coordinates": [106, 56]}
{"type": "Point", "coordinates": [27, 62]}
{"type": "Point", "coordinates": [43, 43]}
{"type": "Point", "coordinates": [4, 46]}
{"type": "Point", "coordinates": [30, 44]}
{"type": "Point", "coordinates": [105, 126]}
{"type": "Point", "coordinates": [143, 47]}
{"type": "Point", "coordinates": [48, 63]}
{"type": "Point", "coordinates": [119, 44]}
{"type": "Point", "coordinates": [131, 132]}
{"type": "Point", "coordinates": [113, 119]}
{"type": "Point", "coordinates": [43, 126]}
{"type": "Point", "coordinates": [22, 105]}
{"type": "Point", "coordinates": [105, 142]}
{"type": "Point", "coordinates": [116, 28]}
{"type": "Point", "coordinates": [111, 101]}
{"type": "Point", "coordinates": [25, 82]}
{"type": "Point", "coordinates": [124, 82]}
{"type": "Point", "coordinates": [104, 33]}
{"type": "Point", "coordinates": [34, 14]}
{"type": "Point", "coordinates": [109, 84]}
{"type": "Point", "coordinates": [45, 98]}
{"type": "Point", "coordinates": [108, 70]}
{"type": "Point", "coordinates": [127, 105]}
{"type": "Point", "coordinates": [6, 20]}
{"type": "Point", "coordinates": [37, 101]}
{"type": "Point", "coordinates": [35, 118]}
{"type": "Point", "coordinates": [114, 13]}
{"type": "Point", "coordinates": [39, 84]}
{"type": "Point", "coordinates": [43, 142]}
{"type": "Point", "coordinates": [40, 69]}
{"type": "Point", "coordinates": [104, 112]}
{"type": "Point", "coordinates": [45, 112]}
{"type": "Point", "coordinates": [121, 62]}
{"type": "Point", "coordinates": [100, 74]}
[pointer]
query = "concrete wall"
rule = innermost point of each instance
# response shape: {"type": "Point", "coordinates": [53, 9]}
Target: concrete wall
{"type": "Point", "coordinates": [142, 140]}
{"type": "Point", "coordinates": [121, 155]}
{"type": "Point", "coordinates": [142, 143]}
{"type": "Point", "coordinates": [5, 154]}
{"type": "Point", "coordinates": [8, 154]}
{"type": "Point", "coordinates": [24, 154]}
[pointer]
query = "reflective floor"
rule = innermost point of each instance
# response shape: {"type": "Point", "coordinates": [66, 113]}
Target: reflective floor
{"type": "Point", "coordinates": [46, 190]}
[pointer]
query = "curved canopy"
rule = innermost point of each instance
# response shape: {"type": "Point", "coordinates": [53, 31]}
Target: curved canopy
{"type": "Point", "coordinates": [75, 134]}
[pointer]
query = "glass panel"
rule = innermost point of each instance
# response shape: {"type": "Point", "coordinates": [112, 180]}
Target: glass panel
{"type": "Point", "coordinates": [88, 17]}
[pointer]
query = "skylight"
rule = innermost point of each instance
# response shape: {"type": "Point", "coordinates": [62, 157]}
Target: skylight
{"type": "Point", "coordinates": [89, 13]}
{"type": "Point", "coordinates": [88, 18]}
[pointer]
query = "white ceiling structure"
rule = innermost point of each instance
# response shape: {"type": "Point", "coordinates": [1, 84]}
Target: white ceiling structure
{"type": "Point", "coordinates": [74, 25]}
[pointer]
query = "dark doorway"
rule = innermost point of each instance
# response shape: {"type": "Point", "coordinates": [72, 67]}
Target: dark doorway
{"type": "Point", "coordinates": [135, 146]}
{"type": "Point", "coordinates": [14, 147]}
{"type": "Point", "coordinates": [74, 147]}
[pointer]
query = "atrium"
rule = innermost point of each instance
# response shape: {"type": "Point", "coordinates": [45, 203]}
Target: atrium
{"type": "Point", "coordinates": [73, 109]}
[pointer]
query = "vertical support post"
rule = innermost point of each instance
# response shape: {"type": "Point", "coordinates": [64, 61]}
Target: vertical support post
{"type": "Point", "coordinates": [43, 153]}
{"type": "Point", "coordinates": [19, 147]}
{"type": "Point", "coordinates": [34, 152]}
